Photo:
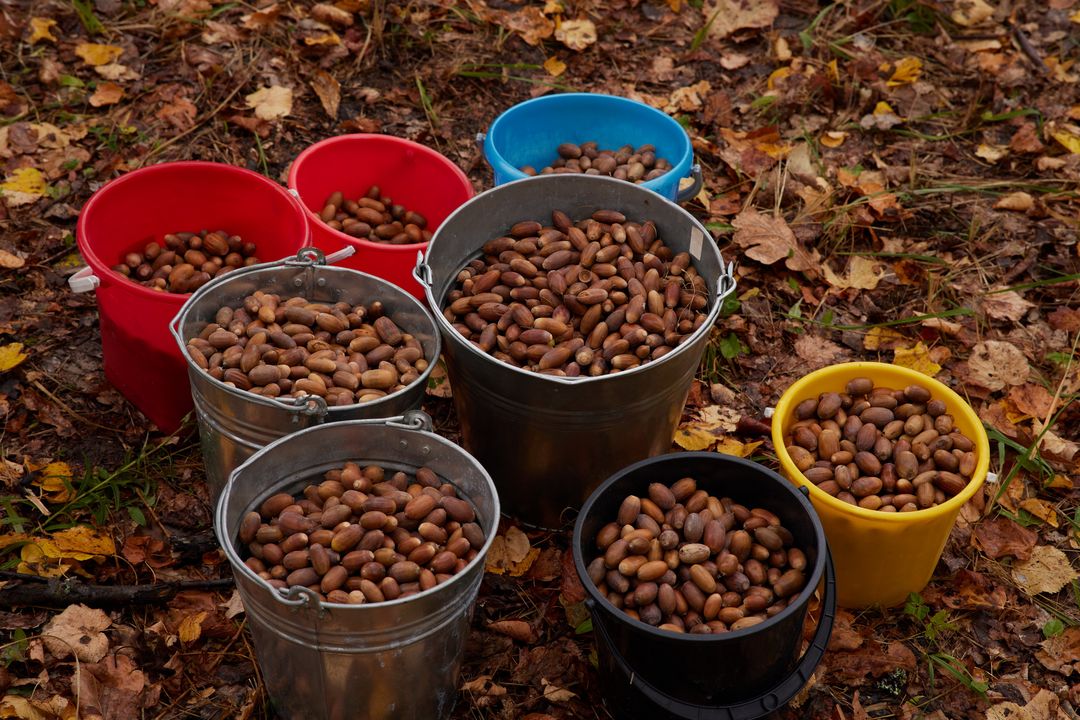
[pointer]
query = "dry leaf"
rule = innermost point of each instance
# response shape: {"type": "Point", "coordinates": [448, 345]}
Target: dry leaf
{"type": "Point", "coordinates": [1006, 305]}
{"type": "Point", "coordinates": [11, 355]}
{"type": "Point", "coordinates": [576, 34]}
{"type": "Point", "coordinates": [1040, 509]}
{"type": "Point", "coordinates": [1048, 570]}
{"type": "Point", "coordinates": [863, 274]}
{"type": "Point", "coordinates": [115, 71]}
{"type": "Point", "coordinates": [511, 554]}
{"type": "Point", "coordinates": [554, 66]}
{"type": "Point", "coordinates": [77, 631]}
{"type": "Point", "coordinates": [331, 15]}
{"type": "Point", "coordinates": [991, 153]}
{"type": "Point", "coordinates": [115, 689]}
{"type": "Point", "coordinates": [1052, 444]}
{"type": "Point", "coordinates": [530, 23]}
{"type": "Point", "coordinates": [883, 118]}
{"type": "Point", "coordinates": [883, 338]}
{"type": "Point", "coordinates": [833, 138]}
{"type": "Point", "coordinates": [1031, 399]}
{"type": "Point", "coordinates": [768, 239]}
{"type": "Point", "coordinates": [1044, 706]}
{"type": "Point", "coordinates": [328, 89]}
{"type": "Point", "coordinates": [95, 54]}
{"type": "Point", "coordinates": [728, 16]}
{"type": "Point", "coordinates": [106, 93]}
{"type": "Point", "coordinates": [1017, 201]}
{"type": "Point", "coordinates": [916, 358]}
{"type": "Point", "coordinates": [1069, 139]}
{"type": "Point", "coordinates": [190, 628]}
{"type": "Point", "coordinates": [737, 448]}
{"type": "Point", "coordinates": [271, 103]}
{"type": "Point", "coordinates": [694, 438]}
{"type": "Point", "coordinates": [817, 352]}
{"type": "Point", "coordinates": [1001, 536]}
{"type": "Point", "coordinates": [556, 694]}
{"type": "Point", "coordinates": [55, 482]}
{"type": "Point", "coordinates": [41, 29]}
{"type": "Point", "coordinates": [484, 687]}
{"type": "Point", "coordinates": [24, 186]}
{"type": "Point", "coordinates": [262, 18]}
{"type": "Point", "coordinates": [994, 364]}
{"type": "Point", "coordinates": [971, 12]}
{"type": "Point", "coordinates": [219, 32]}
{"type": "Point", "coordinates": [1061, 653]}
{"type": "Point", "coordinates": [907, 71]}
{"type": "Point", "coordinates": [517, 629]}
{"type": "Point", "coordinates": [10, 261]}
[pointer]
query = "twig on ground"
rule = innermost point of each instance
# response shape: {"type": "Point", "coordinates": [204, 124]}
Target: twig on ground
{"type": "Point", "coordinates": [22, 589]}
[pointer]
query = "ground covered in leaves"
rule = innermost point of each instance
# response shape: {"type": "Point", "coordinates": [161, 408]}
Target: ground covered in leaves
{"type": "Point", "coordinates": [897, 180]}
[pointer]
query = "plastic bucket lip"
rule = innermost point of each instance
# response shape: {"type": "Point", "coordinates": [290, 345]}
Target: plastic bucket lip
{"type": "Point", "coordinates": [104, 269]}
{"type": "Point", "coordinates": [679, 168]}
{"type": "Point", "coordinates": [322, 145]}
{"type": "Point", "coordinates": [191, 298]}
{"type": "Point", "coordinates": [238, 565]}
{"type": "Point", "coordinates": [444, 324]}
{"type": "Point", "coordinates": [833, 377]}
{"type": "Point", "coordinates": [813, 578]}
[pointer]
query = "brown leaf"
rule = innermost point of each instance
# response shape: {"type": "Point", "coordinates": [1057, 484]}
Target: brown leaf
{"type": "Point", "coordinates": [1044, 706]}
{"type": "Point", "coordinates": [571, 588]}
{"type": "Point", "coordinates": [1031, 399]}
{"type": "Point", "coordinates": [1026, 139]}
{"type": "Point", "coordinates": [1048, 570]}
{"type": "Point", "coordinates": [78, 631]}
{"type": "Point", "coordinates": [263, 18]}
{"type": "Point", "coordinates": [966, 590]}
{"type": "Point", "coordinates": [1065, 318]}
{"type": "Point", "coordinates": [328, 89]}
{"type": "Point", "coordinates": [113, 689]}
{"type": "Point", "coordinates": [768, 239]}
{"type": "Point", "coordinates": [255, 125]}
{"type": "Point", "coordinates": [1001, 536]}
{"type": "Point", "coordinates": [727, 204]}
{"type": "Point", "coordinates": [517, 629]}
{"type": "Point", "coordinates": [994, 364]}
{"type": "Point", "coordinates": [331, 15]}
{"type": "Point", "coordinates": [106, 93]}
{"type": "Point", "coordinates": [1062, 652]}
{"type": "Point", "coordinates": [870, 659]}
{"type": "Point", "coordinates": [180, 113]}
{"type": "Point", "coordinates": [817, 351]}
{"type": "Point", "coordinates": [529, 22]}
{"type": "Point", "coordinates": [1006, 305]}
{"type": "Point", "coordinates": [843, 637]}
{"type": "Point", "coordinates": [728, 16]}
{"type": "Point", "coordinates": [576, 34]}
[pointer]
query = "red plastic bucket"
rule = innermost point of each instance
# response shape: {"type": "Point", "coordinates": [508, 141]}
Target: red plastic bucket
{"type": "Point", "coordinates": [141, 358]}
{"type": "Point", "coordinates": [412, 175]}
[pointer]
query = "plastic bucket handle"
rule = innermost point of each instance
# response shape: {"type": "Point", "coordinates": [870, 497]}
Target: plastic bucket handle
{"type": "Point", "coordinates": [771, 701]}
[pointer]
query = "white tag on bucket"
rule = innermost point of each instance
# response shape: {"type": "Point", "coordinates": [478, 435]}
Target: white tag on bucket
{"type": "Point", "coordinates": [696, 239]}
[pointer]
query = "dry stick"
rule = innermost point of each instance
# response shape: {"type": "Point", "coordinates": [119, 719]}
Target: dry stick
{"type": "Point", "coordinates": [68, 410]}
{"type": "Point", "coordinates": [1029, 49]}
{"type": "Point", "coordinates": [22, 589]}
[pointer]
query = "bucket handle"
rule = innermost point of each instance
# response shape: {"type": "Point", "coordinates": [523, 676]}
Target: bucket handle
{"type": "Point", "coordinates": [777, 696]}
{"type": "Point", "coordinates": [695, 187]}
{"type": "Point", "coordinates": [422, 271]}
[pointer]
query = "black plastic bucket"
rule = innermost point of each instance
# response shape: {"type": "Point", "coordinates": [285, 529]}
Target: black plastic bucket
{"type": "Point", "coordinates": [738, 675]}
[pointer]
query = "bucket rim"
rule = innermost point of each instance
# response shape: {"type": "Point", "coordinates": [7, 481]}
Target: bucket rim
{"type": "Point", "coordinates": [839, 372]}
{"type": "Point", "coordinates": [725, 283]}
{"type": "Point", "coordinates": [238, 565]}
{"type": "Point", "coordinates": [322, 145]}
{"type": "Point", "coordinates": [686, 157]}
{"type": "Point", "coordinates": [177, 323]}
{"type": "Point", "coordinates": [100, 267]}
{"type": "Point", "coordinates": [600, 602]}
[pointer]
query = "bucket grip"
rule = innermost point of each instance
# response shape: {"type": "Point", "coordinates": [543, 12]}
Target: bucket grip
{"type": "Point", "coordinates": [422, 271]}
{"type": "Point", "coordinates": [298, 597]}
{"type": "Point", "coordinates": [775, 698]}
{"type": "Point", "coordinates": [693, 188]}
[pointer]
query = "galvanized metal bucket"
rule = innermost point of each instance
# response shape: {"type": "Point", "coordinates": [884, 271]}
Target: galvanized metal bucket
{"type": "Point", "coordinates": [331, 661]}
{"type": "Point", "coordinates": [549, 441]}
{"type": "Point", "coordinates": [233, 423]}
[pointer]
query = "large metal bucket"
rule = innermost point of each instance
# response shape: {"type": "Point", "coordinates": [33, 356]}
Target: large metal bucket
{"type": "Point", "coordinates": [233, 423]}
{"type": "Point", "coordinates": [549, 441]}
{"type": "Point", "coordinates": [330, 661]}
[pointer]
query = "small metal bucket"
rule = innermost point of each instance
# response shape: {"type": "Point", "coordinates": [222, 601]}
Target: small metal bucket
{"type": "Point", "coordinates": [549, 441]}
{"type": "Point", "coordinates": [233, 423]}
{"type": "Point", "coordinates": [331, 661]}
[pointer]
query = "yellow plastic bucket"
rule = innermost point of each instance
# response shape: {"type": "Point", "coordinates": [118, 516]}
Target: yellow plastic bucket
{"type": "Point", "coordinates": [880, 557]}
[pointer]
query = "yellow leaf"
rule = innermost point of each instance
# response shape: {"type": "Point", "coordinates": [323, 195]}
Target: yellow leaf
{"type": "Point", "coordinates": [41, 29]}
{"type": "Point", "coordinates": [731, 446]}
{"type": "Point", "coordinates": [879, 338]}
{"type": "Point", "coordinates": [271, 103]}
{"type": "Point", "coordinates": [106, 93]}
{"type": "Point", "coordinates": [694, 438]}
{"type": "Point", "coordinates": [863, 273]}
{"type": "Point", "coordinates": [1048, 570]}
{"type": "Point", "coordinates": [576, 34]}
{"type": "Point", "coordinates": [916, 358]}
{"type": "Point", "coordinates": [971, 12]}
{"type": "Point", "coordinates": [1061, 482]}
{"type": "Point", "coordinates": [1042, 510]}
{"type": "Point", "coordinates": [80, 543]}
{"type": "Point", "coordinates": [190, 628]}
{"type": "Point", "coordinates": [777, 74]}
{"type": "Point", "coordinates": [907, 71]}
{"type": "Point", "coordinates": [991, 153]}
{"type": "Point", "coordinates": [553, 7]}
{"type": "Point", "coordinates": [55, 482]}
{"type": "Point", "coordinates": [511, 554]}
{"type": "Point", "coordinates": [833, 138]}
{"type": "Point", "coordinates": [883, 108]}
{"type": "Point", "coordinates": [11, 355]}
{"type": "Point", "coordinates": [23, 186]}
{"type": "Point", "coordinates": [554, 66]}
{"type": "Point", "coordinates": [1017, 202]}
{"type": "Point", "coordinates": [1075, 17]}
{"type": "Point", "coordinates": [330, 38]}
{"type": "Point", "coordinates": [1070, 141]}
{"type": "Point", "coordinates": [834, 70]}
{"type": "Point", "coordinates": [10, 260]}
{"type": "Point", "coordinates": [13, 706]}
{"type": "Point", "coordinates": [95, 54]}
{"type": "Point", "coordinates": [675, 5]}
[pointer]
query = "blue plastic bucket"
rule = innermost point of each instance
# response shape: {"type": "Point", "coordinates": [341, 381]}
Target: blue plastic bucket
{"type": "Point", "coordinates": [529, 132]}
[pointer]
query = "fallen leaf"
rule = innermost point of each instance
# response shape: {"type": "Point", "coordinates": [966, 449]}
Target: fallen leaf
{"type": "Point", "coordinates": [768, 239]}
{"type": "Point", "coordinates": [737, 448]}
{"type": "Point", "coordinates": [554, 66]}
{"type": "Point", "coordinates": [190, 628]}
{"type": "Point", "coordinates": [511, 554]}
{"type": "Point", "coordinates": [1044, 706]}
{"type": "Point", "coordinates": [1026, 139]}
{"type": "Point", "coordinates": [971, 12]}
{"type": "Point", "coordinates": [1032, 399]}
{"type": "Point", "coordinates": [966, 590]}
{"type": "Point", "coordinates": [331, 15]}
{"type": "Point", "coordinates": [11, 355]}
{"type": "Point", "coordinates": [833, 138]}
{"type": "Point", "coordinates": [576, 34]}
{"type": "Point", "coordinates": [234, 606]}
{"type": "Point", "coordinates": [1062, 652]}
{"type": "Point", "coordinates": [115, 71]}
{"type": "Point", "coordinates": [81, 542]}
{"type": "Point", "coordinates": [78, 631]}
{"type": "Point", "coordinates": [906, 72]}
{"type": "Point", "coordinates": [862, 273]}
{"type": "Point", "coordinates": [41, 29]}
{"type": "Point", "coordinates": [516, 629]}
{"type": "Point", "coordinates": [1064, 318]}
{"type": "Point", "coordinates": [869, 659]}
{"type": "Point", "coordinates": [689, 98]}
{"type": "Point", "coordinates": [24, 186]}
{"type": "Point", "coordinates": [326, 38]}
{"type": "Point", "coordinates": [1052, 444]}
{"type": "Point", "coordinates": [11, 261]}
{"type": "Point", "coordinates": [694, 438]}
{"type": "Point", "coordinates": [55, 482]}
{"type": "Point", "coordinates": [180, 113]}
{"type": "Point", "coordinates": [991, 153]}
{"type": "Point", "coordinates": [328, 89]}
{"type": "Point", "coordinates": [219, 32]}
{"type": "Point", "coordinates": [994, 364]}
{"type": "Point", "coordinates": [1000, 536]}
{"type": "Point", "coordinates": [883, 117]}
{"type": "Point", "coordinates": [270, 103]}
{"type": "Point", "coordinates": [728, 16]}
{"type": "Point", "coordinates": [106, 93]}
{"type": "Point", "coordinates": [1048, 570]}
{"type": "Point", "coordinates": [817, 352]}
{"type": "Point", "coordinates": [484, 687]}
{"type": "Point", "coordinates": [1008, 305]}
{"type": "Point", "coordinates": [882, 338]}
{"type": "Point", "coordinates": [263, 18]}
{"type": "Point", "coordinates": [114, 689]}
{"type": "Point", "coordinates": [1041, 509]}
{"type": "Point", "coordinates": [916, 358]}
{"type": "Point", "coordinates": [1069, 140]}
{"type": "Point", "coordinates": [95, 54]}
{"type": "Point", "coordinates": [530, 23]}
{"type": "Point", "coordinates": [1017, 202]}
{"type": "Point", "coordinates": [556, 694]}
